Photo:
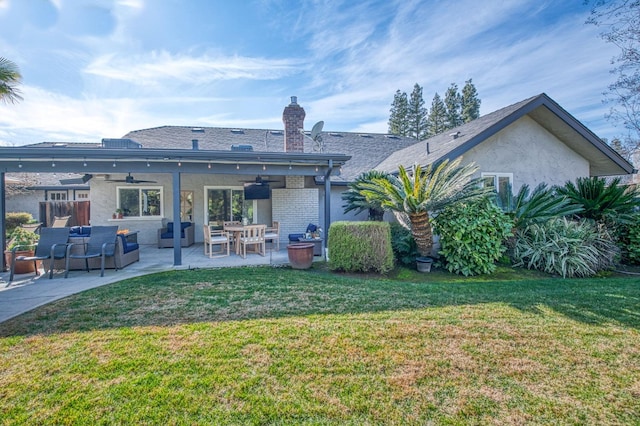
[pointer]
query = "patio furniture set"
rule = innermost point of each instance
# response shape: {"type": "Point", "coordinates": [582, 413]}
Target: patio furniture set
{"type": "Point", "coordinates": [244, 238]}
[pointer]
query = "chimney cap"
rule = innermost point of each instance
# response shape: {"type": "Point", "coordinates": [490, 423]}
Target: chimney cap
{"type": "Point", "coordinates": [294, 100]}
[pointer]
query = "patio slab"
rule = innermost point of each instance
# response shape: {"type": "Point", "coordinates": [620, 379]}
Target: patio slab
{"type": "Point", "coordinates": [28, 291]}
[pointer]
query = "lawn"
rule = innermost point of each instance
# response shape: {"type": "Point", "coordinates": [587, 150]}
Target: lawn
{"type": "Point", "coordinates": [278, 346]}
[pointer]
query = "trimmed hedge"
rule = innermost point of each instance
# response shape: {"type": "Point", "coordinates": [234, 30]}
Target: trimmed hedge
{"type": "Point", "coordinates": [13, 220]}
{"type": "Point", "coordinates": [360, 247]}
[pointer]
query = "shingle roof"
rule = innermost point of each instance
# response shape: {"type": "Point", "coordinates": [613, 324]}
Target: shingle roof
{"type": "Point", "coordinates": [366, 150]}
{"type": "Point", "coordinates": [603, 159]}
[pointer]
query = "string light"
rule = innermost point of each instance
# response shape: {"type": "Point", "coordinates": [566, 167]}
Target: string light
{"type": "Point", "coordinates": [19, 163]}
{"type": "Point", "coordinates": [209, 166]}
{"type": "Point", "coordinates": [264, 167]}
{"type": "Point", "coordinates": [316, 168]}
{"type": "Point", "coordinates": [85, 163]}
{"type": "Point", "coordinates": [148, 165]}
{"type": "Point", "coordinates": [53, 163]}
{"type": "Point", "coordinates": [237, 166]}
{"type": "Point", "coordinates": [289, 165]}
{"type": "Point", "coordinates": [180, 163]}
{"type": "Point", "coordinates": [114, 163]}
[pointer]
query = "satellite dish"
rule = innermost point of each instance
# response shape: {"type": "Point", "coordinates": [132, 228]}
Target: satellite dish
{"type": "Point", "coordinates": [316, 137]}
{"type": "Point", "coordinates": [317, 128]}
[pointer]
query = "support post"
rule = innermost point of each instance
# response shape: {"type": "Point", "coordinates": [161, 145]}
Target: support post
{"type": "Point", "coordinates": [3, 222]}
{"type": "Point", "coordinates": [177, 228]}
{"type": "Point", "coordinates": [327, 207]}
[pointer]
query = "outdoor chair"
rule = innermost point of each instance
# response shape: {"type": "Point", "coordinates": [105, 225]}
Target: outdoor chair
{"type": "Point", "coordinates": [101, 243]}
{"type": "Point", "coordinates": [215, 237]}
{"type": "Point", "coordinates": [52, 245]}
{"type": "Point", "coordinates": [60, 221]}
{"type": "Point", "coordinates": [252, 235]}
{"type": "Point", "coordinates": [227, 223]}
{"type": "Point", "coordinates": [33, 227]}
{"type": "Point", "coordinates": [273, 234]}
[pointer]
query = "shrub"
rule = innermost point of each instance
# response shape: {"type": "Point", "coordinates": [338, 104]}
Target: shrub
{"type": "Point", "coordinates": [14, 220]}
{"type": "Point", "coordinates": [564, 247]}
{"type": "Point", "coordinates": [629, 241]}
{"type": "Point", "coordinates": [472, 236]}
{"type": "Point", "coordinates": [404, 246]}
{"type": "Point", "coordinates": [22, 237]}
{"type": "Point", "coordinates": [360, 247]}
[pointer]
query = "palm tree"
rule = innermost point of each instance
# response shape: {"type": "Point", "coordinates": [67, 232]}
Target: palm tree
{"type": "Point", "coordinates": [611, 204]}
{"type": "Point", "coordinates": [355, 200]}
{"type": "Point", "coordinates": [416, 195]}
{"type": "Point", "coordinates": [9, 78]}
{"type": "Point", "coordinates": [537, 206]}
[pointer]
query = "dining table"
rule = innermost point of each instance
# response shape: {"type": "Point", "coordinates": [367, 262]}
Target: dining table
{"type": "Point", "coordinates": [236, 231]}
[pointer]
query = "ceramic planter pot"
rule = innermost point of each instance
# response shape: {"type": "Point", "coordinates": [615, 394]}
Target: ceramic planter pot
{"type": "Point", "coordinates": [300, 255]}
{"type": "Point", "coordinates": [423, 264]}
{"type": "Point", "coordinates": [22, 267]}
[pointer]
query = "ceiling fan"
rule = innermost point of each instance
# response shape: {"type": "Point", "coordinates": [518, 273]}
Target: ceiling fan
{"type": "Point", "coordinates": [130, 179]}
{"type": "Point", "coordinates": [259, 180]}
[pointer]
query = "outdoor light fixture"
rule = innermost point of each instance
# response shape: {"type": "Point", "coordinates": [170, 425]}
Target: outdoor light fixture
{"type": "Point", "coordinates": [289, 165]}
{"type": "Point", "coordinates": [264, 167]}
{"type": "Point", "coordinates": [316, 168]}
{"type": "Point", "coordinates": [148, 165]}
{"type": "Point", "coordinates": [180, 163]}
{"type": "Point", "coordinates": [209, 166]}
{"type": "Point", "coordinates": [53, 163]}
{"type": "Point", "coordinates": [114, 163]}
{"type": "Point", "coordinates": [237, 166]}
{"type": "Point", "coordinates": [19, 163]}
{"type": "Point", "coordinates": [85, 162]}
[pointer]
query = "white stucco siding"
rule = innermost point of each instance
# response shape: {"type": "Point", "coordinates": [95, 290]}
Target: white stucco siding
{"type": "Point", "coordinates": [531, 153]}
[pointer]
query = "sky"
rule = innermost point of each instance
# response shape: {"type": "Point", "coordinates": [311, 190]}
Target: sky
{"type": "Point", "coordinates": [96, 69]}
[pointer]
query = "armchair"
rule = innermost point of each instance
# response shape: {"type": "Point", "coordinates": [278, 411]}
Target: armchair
{"type": "Point", "coordinates": [165, 235]}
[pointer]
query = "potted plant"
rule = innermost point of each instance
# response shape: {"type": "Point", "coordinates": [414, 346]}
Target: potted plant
{"type": "Point", "coordinates": [119, 213]}
{"type": "Point", "coordinates": [23, 241]}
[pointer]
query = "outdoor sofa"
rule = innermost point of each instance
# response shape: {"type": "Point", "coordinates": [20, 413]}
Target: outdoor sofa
{"type": "Point", "coordinates": [165, 235]}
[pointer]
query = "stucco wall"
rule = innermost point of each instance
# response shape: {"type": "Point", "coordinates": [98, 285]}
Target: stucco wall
{"type": "Point", "coordinates": [531, 153]}
{"type": "Point", "coordinates": [28, 202]}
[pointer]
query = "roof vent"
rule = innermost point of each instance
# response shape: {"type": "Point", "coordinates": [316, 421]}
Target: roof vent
{"type": "Point", "coordinates": [237, 131]}
{"type": "Point", "coordinates": [454, 135]}
{"type": "Point", "coordinates": [392, 136]}
{"type": "Point", "coordinates": [337, 135]}
{"type": "Point", "coordinates": [365, 135]}
{"type": "Point", "coordinates": [197, 130]}
{"type": "Point", "coordinates": [59, 145]}
{"type": "Point", "coordinates": [244, 148]}
{"type": "Point", "coordinates": [120, 144]}
{"type": "Point", "coordinates": [276, 132]}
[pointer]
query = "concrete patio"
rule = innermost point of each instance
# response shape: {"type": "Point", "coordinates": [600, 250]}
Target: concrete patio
{"type": "Point", "coordinates": [28, 291]}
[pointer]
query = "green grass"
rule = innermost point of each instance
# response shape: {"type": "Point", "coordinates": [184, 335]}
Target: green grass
{"type": "Point", "coordinates": [278, 346]}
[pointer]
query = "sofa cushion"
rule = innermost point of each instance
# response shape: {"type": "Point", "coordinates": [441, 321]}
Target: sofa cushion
{"type": "Point", "coordinates": [169, 228]}
{"type": "Point", "coordinates": [295, 237]}
{"type": "Point", "coordinates": [77, 230]}
{"type": "Point", "coordinates": [127, 246]}
{"type": "Point", "coordinates": [86, 230]}
{"type": "Point", "coordinates": [184, 225]}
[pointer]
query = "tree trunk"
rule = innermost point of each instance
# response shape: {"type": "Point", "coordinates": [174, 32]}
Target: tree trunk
{"type": "Point", "coordinates": [422, 233]}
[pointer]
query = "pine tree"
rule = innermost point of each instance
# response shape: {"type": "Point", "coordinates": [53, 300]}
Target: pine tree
{"type": "Point", "coordinates": [437, 116]}
{"type": "Point", "coordinates": [453, 103]}
{"type": "Point", "coordinates": [398, 119]}
{"type": "Point", "coordinates": [417, 116]}
{"type": "Point", "coordinates": [470, 102]}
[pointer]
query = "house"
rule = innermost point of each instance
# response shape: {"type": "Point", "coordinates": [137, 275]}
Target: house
{"type": "Point", "coordinates": [28, 192]}
{"type": "Point", "coordinates": [199, 174]}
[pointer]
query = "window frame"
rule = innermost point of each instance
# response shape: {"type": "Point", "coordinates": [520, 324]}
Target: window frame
{"type": "Point", "coordinates": [160, 189]}
{"type": "Point", "coordinates": [254, 206]}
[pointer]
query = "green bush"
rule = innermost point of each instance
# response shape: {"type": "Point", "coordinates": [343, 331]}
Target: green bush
{"type": "Point", "coordinates": [360, 247]}
{"type": "Point", "coordinates": [14, 220]}
{"type": "Point", "coordinates": [564, 247]}
{"type": "Point", "coordinates": [472, 236]}
{"type": "Point", "coordinates": [629, 241]}
{"type": "Point", "coordinates": [404, 246]}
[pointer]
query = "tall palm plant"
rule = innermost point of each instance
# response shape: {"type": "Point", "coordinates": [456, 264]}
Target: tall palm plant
{"type": "Point", "coordinates": [9, 79]}
{"type": "Point", "coordinates": [537, 206]}
{"type": "Point", "coordinates": [355, 199]}
{"type": "Point", "coordinates": [422, 192]}
{"type": "Point", "coordinates": [609, 203]}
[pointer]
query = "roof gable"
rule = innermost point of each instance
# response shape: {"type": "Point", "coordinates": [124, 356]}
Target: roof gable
{"type": "Point", "coordinates": [541, 108]}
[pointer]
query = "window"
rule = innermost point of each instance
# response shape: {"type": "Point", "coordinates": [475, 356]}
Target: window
{"type": "Point", "coordinates": [500, 182]}
{"type": "Point", "coordinates": [139, 202]}
{"type": "Point", "coordinates": [186, 205]}
{"type": "Point", "coordinates": [58, 195]}
{"type": "Point", "coordinates": [224, 204]}
{"type": "Point", "coordinates": [82, 195]}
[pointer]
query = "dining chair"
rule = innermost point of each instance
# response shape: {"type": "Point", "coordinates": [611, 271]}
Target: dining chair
{"type": "Point", "coordinates": [272, 234]}
{"type": "Point", "coordinates": [214, 237]}
{"type": "Point", "coordinates": [252, 235]}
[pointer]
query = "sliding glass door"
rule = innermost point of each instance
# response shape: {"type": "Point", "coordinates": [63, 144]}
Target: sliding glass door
{"type": "Point", "coordinates": [224, 204]}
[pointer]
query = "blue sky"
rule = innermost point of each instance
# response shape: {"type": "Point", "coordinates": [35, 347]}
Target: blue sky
{"type": "Point", "coordinates": [100, 68]}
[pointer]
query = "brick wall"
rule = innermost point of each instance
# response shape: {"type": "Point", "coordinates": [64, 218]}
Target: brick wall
{"type": "Point", "coordinates": [294, 208]}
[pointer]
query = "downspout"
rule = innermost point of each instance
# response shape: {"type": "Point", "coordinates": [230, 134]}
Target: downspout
{"type": "Point", "coordinates": [327, 206]}
{"type": "Point", "coordinates": [177, 226]}
{"type": "Point", "coordinates": [3, 223]}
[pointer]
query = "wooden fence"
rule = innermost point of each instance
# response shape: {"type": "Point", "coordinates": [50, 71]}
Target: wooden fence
{"type": "Point", "coordinates": [80, 212]}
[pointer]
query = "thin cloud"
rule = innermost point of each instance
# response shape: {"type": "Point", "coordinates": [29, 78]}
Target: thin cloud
{"type": "Point", "coordinates": [158, 67]}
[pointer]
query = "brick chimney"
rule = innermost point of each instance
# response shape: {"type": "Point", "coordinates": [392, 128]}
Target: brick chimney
{"type": "Point", "coordinates": [293, 119]}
